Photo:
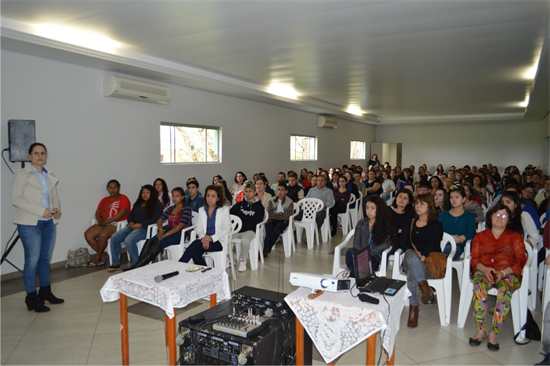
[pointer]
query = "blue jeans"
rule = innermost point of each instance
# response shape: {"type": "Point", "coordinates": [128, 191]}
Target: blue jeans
{"type": "Point", "coordinates": [417, 271]}
{"type": "Point", "coordinates": [459, 250]}
{"type": "Point", "coordinates": [170, 239]}
{"type": "Point", "coordinates": [38, 241]}
{"type": "Point", "coordinates": [130, 238]}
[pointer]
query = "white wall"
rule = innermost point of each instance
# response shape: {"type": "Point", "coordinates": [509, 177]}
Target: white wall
{"type": "Point", "coordinates": [91, 139]}
{"type": "Point", "coordinates": [501, 144]}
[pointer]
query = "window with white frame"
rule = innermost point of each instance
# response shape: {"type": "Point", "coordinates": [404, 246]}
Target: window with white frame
{"type": "Point", "coordinates": [357, 150]}
{"type": "Point", "coordinates": [303, 148]}
{"type": "Point", "coordinates": [181, 143]}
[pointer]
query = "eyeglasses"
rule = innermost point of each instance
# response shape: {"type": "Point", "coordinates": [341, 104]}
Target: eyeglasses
{"type": "Point", "coordinates": [501, 216]}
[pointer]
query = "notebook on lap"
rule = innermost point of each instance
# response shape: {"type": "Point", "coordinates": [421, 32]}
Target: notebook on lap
{"type": "Point", "coordinates": [367, 281]}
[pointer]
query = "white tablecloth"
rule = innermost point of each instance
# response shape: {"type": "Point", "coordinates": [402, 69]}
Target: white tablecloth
{"type": "Point", "coordinates": [175, 292]}
{"type": "Point", "coordinates": [337, 322]}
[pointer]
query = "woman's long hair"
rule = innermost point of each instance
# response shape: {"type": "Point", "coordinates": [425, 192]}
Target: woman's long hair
{"type": "Point", "coordinates": [383, 227]}
{"type": "Point", "coordinates": [165, 197]}
{"type": "Point", "coordinates": [151, 202]}
{"type": "Point", "coordinates": [515, 220]}
{"type": "Point", "coordinates": [225, 191]}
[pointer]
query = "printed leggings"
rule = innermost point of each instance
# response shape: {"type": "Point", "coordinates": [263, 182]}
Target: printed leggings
{"type": "Point", "coordinates": [505, 287]}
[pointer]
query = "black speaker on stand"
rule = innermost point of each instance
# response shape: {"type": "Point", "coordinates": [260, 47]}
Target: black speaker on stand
{"type": "Point", "coordinates": [21, 135]}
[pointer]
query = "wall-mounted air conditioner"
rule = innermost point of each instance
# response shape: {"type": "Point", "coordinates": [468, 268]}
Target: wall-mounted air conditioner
{"type": "Point", "coordinates": [327, 122]}
{"type": "Point", "coordinates": [121, 87]}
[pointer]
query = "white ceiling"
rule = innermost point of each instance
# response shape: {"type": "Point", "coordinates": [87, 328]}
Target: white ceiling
{"type": "Point", "coordinates": [400, 61]}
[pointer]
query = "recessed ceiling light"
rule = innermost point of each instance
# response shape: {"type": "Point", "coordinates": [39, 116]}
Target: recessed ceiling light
{"type": "Point", "coordinates": [77, 37]}
{"type": "Point", "coordinates": [283, 90]}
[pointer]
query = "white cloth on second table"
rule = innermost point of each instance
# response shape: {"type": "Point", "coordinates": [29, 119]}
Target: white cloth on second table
{"type": "Point", "coordinates": [175, 292]}
{"type": "Point", "coordinates": [337, 322]}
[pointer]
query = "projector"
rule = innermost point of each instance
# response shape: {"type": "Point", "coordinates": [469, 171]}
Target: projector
{"type": "Point", "coordinates": [319, 282]}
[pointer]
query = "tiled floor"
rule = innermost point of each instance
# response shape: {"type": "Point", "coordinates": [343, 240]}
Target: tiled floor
{"type": "Point", "coordinates": [85, 331]}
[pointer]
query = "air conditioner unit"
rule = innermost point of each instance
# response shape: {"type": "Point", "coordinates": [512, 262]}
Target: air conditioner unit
{"type": "Point", "coordinates": [121, 87]}
{"type": "Point", "coordinates": [327, 122]}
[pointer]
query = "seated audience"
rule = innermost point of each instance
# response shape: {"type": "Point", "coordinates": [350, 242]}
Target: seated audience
{"type": "Point", "coordinates": [313, 184]}
{"type": "Point", "coordinates": [261, 184]}
{"type": "Point", "coordinates": [402, 210]}
{"type": "Point", "coordinates": [164, 196]}
{"type": "Point", "coordinates": [404, 178]}
{"type": "Point", "coordinates": [213, 226]}
{"type": "Point", "coordinates": [442, 202]}
{"type": "Point", "coordinates": [458, 222]}
{"type": "Point", "coordinates": [279, 209]}
{"type": "Point", "coordinates": [324, 194]}
{"type": "Point", "coordinates": [372, 185]}
{"type": "Point", "coordinates": [295, 192]}
{"type": "Point", "coordinates": [194, 199]}
{"type": "Point", "coordinates": [425, 233]}
{"type": "Point", "coordinates": [435, 183]}
{"type": "Point", "coordinates": [342, 196]}
{"type": "Point", "coordinates": [238, 186]}
{"type": "Point", "coordinates": [528, 194]}
{"type": "Point", "coordinates": [423, 173]}
{"type": "Point", "coordinates": [439, 170]}
{"type": "Point", "coordinates": [303, 176]}
{"type": "Point", "coordinates": [334, 181]}
{"type": "Point", "coordinates": [498, 257]}
{"type": "Point", "coordinates": [227, 196]}
{"type": "Point", "coordinates": [376, 231]}
{"type": "Point", "coordinates": [388, 186]}
{"type": "Point", "coordinates": [111, 210]}
{"type": "Point", "coordinates": [479, 189]}
{"type": "Point", "coordinates": [146, 211]}
{"type": "Point", "coordinates": [216, 178]}
{"type": "Point", "coordinates": [359, 183]}
{"type": "Point", "coordinates": [251, 212]}
{"type": "Point", "coordinates": [424, 187]}
{"type": "Point", "coordinates": [472, 206]}
{"type": "Point", "coordinates": [178, 217]}
{"type": "Point", "coordinates": [281, 177]}
{"type": "Point", "coordinates": [520, 221]}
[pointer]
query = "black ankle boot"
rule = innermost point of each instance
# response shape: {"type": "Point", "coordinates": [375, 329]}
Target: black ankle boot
{"type": "Point", "coordinates": [34, 303]}
{"type": "Point", "coordinates": [45, 294]}
{"type": "Point", "coordinates": [155, 249]}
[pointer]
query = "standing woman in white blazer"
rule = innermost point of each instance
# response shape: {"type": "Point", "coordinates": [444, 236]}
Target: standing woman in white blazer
{"type": "Point", "coordinates": [214, 224]}
{"type": "Point", "coordinates": [34, 194]}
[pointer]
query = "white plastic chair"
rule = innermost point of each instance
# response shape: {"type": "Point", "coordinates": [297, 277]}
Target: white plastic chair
{"type": "Point", "coordinates": [175, 252]}
{"type": "Point", "coordinates": [346, 218]}
{"type": "Point", "coordinates": [443, 286]}
{"type": "Point", "coordinates": [309, 207]}
{"type": "Point", "coordinates": [338, 267]}
{"type": "Point", "coordinates": [288, 235]}
{"type": "Point", "coordinates": [119, 226]}
{"type": "Point", "coordinates": [325, 228]}
{"type": "Point", "coordinates": [458, 265]}
{"type": "Point", "coordinates": [518, 303]}
{"type": "Point", "coordinates": [356, 215]}
{"type": "Point", "coordinates": [255, 246]}
{"type": "Point", "coordinates": [480, 227]}
{"type": "Point", "coordinates": [220, 258]}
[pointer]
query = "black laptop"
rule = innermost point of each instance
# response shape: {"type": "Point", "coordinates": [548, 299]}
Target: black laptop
{"type": "Point", "coordinates": [367, 281]}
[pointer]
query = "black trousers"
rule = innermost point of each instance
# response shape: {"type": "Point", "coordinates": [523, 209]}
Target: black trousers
{"type": "Point", "coordinates": [273, 230]}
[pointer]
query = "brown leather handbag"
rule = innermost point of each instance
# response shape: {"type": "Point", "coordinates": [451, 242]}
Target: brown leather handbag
{"type": "Point", "coordinates": [435, 261]}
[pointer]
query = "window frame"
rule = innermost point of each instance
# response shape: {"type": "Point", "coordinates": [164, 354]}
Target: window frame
{"type": "Point", "coordinates": [315, 141]}
{"type": "Point", "coordinates": [187, 125]}
{"type": "Point", "coordinates": [351, 150]}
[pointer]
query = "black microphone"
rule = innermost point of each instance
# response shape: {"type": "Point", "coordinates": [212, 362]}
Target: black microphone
{"type": "Point", "coordinates": [166, 276]}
